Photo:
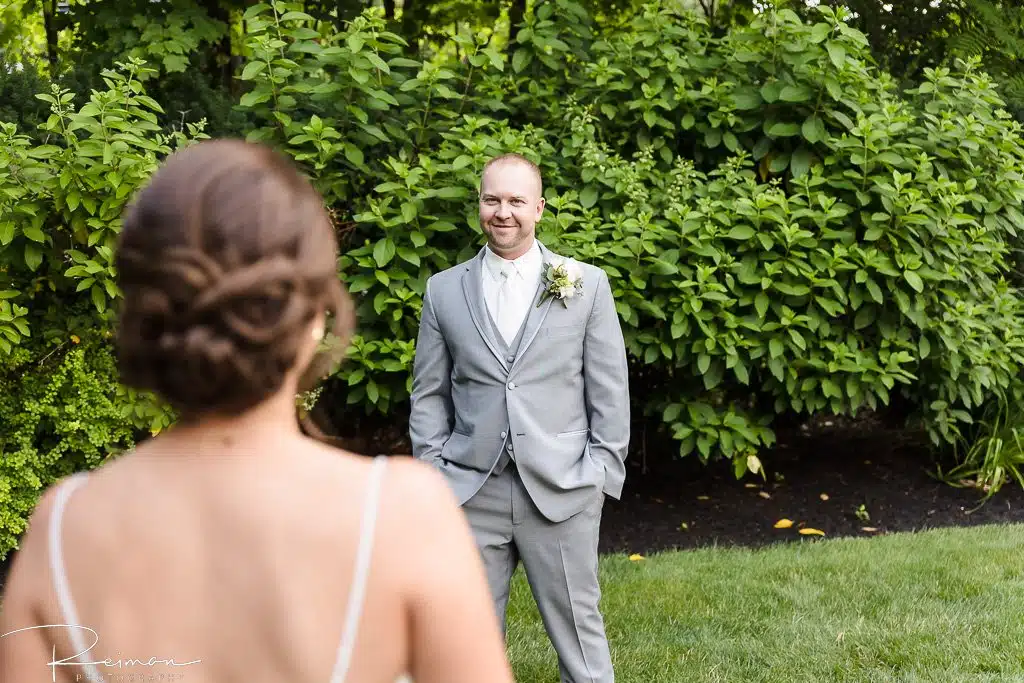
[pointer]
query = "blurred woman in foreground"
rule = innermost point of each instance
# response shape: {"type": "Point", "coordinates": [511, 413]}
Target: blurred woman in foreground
{"type": "Point", "coordinates": [233, 547]}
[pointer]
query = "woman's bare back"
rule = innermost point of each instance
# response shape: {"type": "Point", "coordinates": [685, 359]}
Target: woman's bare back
{"type": "Point", "coordinates": [239, 564]}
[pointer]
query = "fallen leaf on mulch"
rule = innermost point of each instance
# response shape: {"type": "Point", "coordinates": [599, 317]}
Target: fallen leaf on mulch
{"type": "Point", "coordinates": [868, 529]}
{"type": "Point", "coordinates": [823, 496]}
{"type": "Point", "coordinates": [703, 497]}
{"type": "Point", "coordinates": [636, 558]}
{"type": "Point", "coordinates": [764, 494]}
{"type": "Point", "coordinates": [783, 524]}
{"type": "Point", "coordinates": [748, 485]}
{"type": "Point", "coordinates": [684, 526]}
{"type": "Point", "coordinates": [812, 532]}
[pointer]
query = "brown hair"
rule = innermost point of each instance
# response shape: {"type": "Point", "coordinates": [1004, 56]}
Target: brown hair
{"type": "Point", "coordinates": [225, 259]}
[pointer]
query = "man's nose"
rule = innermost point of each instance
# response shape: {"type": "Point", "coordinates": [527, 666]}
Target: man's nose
{"type": "Point", "coordinates": [504, 211]}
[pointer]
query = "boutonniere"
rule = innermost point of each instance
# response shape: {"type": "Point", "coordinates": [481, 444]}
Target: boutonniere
{"type": "Point", "coordinates": [563, 280]}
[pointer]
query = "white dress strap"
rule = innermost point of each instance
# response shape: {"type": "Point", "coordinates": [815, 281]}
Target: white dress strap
{"type": "Point", "coordinates": [59, 573]}
{"type": "Point", "coordinates": [357, 594]}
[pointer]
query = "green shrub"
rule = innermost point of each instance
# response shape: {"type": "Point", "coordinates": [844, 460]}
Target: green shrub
{"type": "Point", "coordinates": [61, 411]}
{"type": "Point", "coordinates": [785, 231]}
{"type": "Point", "coordinates": [61, 407]}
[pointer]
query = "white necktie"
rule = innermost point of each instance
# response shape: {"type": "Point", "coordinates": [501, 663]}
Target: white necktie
{"type": "Point", "coordinates": [506, 317]}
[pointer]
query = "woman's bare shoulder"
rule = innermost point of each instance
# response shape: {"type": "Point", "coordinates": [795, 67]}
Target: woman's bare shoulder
{"type": "Point", "coordinates": [408, 483]}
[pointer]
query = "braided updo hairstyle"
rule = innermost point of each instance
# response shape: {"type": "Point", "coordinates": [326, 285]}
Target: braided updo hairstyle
{"type": "Point", "coordinates": [225, 259]}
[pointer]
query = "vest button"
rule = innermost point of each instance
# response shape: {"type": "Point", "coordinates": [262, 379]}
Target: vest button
{"type": "Point", "coordinates": [504, 434]}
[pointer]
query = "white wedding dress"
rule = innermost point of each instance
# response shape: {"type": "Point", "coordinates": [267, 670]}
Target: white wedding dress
{"type": "Point", "coordinates": [357, 593]}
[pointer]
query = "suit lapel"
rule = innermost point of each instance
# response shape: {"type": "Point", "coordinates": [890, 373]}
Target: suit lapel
{"type": "Point", "coordinates": [535, 318]}
{"type": "Point", "coordinates": [472, 287]}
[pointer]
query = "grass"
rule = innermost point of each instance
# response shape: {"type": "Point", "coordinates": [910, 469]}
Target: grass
{"type": "Point", "coordinates": [944, 606]}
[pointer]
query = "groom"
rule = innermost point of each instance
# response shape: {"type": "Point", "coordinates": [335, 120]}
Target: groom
{"type": "Point", "coordinates": [521, 401]}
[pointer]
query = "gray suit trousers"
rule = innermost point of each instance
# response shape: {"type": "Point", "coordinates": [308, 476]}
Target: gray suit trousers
{"type": "Point", "coordinates": [560, 560]}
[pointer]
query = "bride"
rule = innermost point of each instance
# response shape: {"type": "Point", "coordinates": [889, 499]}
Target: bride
{"type": "Point", "coordinates": [233, 547]}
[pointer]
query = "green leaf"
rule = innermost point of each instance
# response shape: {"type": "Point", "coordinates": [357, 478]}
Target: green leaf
{"type": "Point", "coordinates": [865, 316]}
{"type": "Point", "coordinates": [383, 252]}
{"type": "Point", "coordinates": [742, 374]}
{"type": "Point", "coordinates": [589, 196]}
{"type": "Point", "coordinates": [521, 58]}
{"type": "Point", "coordinates": [703, 363]}
{"type": "Point", "coordinates": [33, 233]}
{"type": "Point", "coordinates": [782, 129]}
{"type": "Point", "coordinates": [813, 129]}
{"type": "Point", "coordinates": [914, 280]}
{"type": "Point", "coordinates": [837, 53]}
{"type": "Point", "coordinates": [775, 347]}
{"type": "Point", "coordinates": [746, 99]}
{"type": "Point", "coordinates": [924, 347]}
{"type": "Point", "coordinates": [99, 299]}
{"type": "Point", "coordinates": [354, 154]}
{"type": "Point", "coordinates": [890, 158]}
{"type": "Point", "coordinates": [875, 291]}
{"type": "Point", "coordinates": [409, 255]}
{"type": "Point", "coordinates": [761, 302]}
{"type": "Point", "coordinates": [33, 256]}
{"type": "Point", "coordinates": [800, 163]}
{"type": "Point", "coordinates": [252, 70]}
{"type": "Point", "coordinates": [254, 97]}
{"type": "Point", "coordinates": [796, 93]}
{"type": "Point", "coordinates": [741, 232]}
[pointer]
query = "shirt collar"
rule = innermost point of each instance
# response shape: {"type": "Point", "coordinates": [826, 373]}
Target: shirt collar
{"type": "Point", "coordinates": [527, 265]}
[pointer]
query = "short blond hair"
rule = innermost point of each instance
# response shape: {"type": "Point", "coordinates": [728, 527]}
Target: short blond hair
{"type": "Point", "coordinates": [512, 157]}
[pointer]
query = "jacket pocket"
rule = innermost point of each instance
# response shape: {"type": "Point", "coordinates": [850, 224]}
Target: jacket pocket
{"type": "Point", "coordinates": [569, 435]}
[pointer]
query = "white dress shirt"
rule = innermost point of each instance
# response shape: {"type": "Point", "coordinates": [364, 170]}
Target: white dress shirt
{"type": "Point", "coordinates": [510, 308]}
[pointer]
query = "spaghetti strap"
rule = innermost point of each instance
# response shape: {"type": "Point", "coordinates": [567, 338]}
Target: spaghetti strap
{"type": "Point", "coordinates": [58, 571]}
{"type": "Point", "coordinates": [357, 594]}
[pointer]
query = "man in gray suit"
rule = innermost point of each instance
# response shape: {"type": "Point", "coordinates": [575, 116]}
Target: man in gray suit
{"type": "Point", "coordinates": [520, 398]}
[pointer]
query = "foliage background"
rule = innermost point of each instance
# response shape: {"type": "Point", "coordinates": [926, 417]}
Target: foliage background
{"type": "Point", "coordinates": [797, 219]}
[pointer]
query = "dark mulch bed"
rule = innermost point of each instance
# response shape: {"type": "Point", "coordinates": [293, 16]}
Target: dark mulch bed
{"type": "Point", "coordinates": [816, 478]}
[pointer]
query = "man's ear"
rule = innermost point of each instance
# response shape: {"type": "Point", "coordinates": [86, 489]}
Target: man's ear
{"type": "Point", "coordinates": [540, 207]}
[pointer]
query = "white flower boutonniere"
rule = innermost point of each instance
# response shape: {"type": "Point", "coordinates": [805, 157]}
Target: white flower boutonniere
{"type": "Point", "coordinates": [563, 280]}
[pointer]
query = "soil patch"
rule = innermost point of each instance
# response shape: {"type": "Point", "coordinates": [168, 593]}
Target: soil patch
{"type": "Point", "coordinates": [817, 480]}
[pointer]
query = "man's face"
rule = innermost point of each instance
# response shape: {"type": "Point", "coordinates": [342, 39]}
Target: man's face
{"type": "Point", "coordinates": [510, 206]}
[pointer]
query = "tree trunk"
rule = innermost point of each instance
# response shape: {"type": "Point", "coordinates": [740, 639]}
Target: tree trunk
{"type": "Point", "coordinates": [389, 9]}
{"type": "Point", "coordinates": [221, 65]}
{"type": "Point", "coordinates": [515, 17]}
{"type": "Point", "coordinates": [50, 27]}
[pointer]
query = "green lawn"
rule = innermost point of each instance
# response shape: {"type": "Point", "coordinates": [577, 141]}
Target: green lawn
{"type": "Point", "coordinates": [944, 606]}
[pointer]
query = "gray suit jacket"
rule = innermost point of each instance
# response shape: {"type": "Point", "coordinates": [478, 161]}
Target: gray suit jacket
{"type": "Point", "coordinates": [562, 404]}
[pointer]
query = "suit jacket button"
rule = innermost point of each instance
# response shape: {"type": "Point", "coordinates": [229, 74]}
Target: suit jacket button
{"type": "Point", "coordinates": [511, 385]}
